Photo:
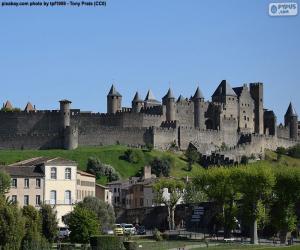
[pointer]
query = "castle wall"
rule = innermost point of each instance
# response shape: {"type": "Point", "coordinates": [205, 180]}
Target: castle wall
{"type": "Point", "coordinates": [283, 132]}
{"type": "Point", "coordinates": [246, 114]}
{"type": "Point", "coordinates": [30, 122]}
{"type": "Point", "coordinates": [163, 138]}
{"type": "Point", "coordinates": [185, 113]}
{"type": "Point", "coordinates": [25, 141]}
{"type": "Point", "coordinates": [102, 135]}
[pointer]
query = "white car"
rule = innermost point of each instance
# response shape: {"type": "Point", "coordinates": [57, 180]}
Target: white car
{"type": "Point", "coordinates": [128, 229]}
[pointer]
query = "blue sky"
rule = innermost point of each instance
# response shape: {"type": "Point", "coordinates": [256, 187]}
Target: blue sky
{"type": "Point", "coordinates": [47, 54]}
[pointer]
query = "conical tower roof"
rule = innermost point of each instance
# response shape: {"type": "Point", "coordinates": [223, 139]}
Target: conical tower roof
{"type": "Point", "coordinates": [29, 107]}
{"type": "Point", "coordinates": [224, 89]}
{"type": "Point", "coordinates": [198, 94]}
{"type": "Point", "coordinates": [136, 97]}
{"type": "Point", "coordinates": [169, 94]}
{"type": "Point", "coordinates": [114, 92]}
{"type": "Point", "coordinates": [181, 99]}
{"type": "Point", "coordinates": [8, 105]}
{"type": "Point", "coordinates": [149, 96]}
{"type": "Point", "coordinates": [291, 111]}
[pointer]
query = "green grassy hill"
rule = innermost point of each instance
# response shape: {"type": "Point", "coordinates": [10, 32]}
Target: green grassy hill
{"type": "Point", "coordinates": [108, 154]}
{"type": "Point", "coordinates": [113, 155]}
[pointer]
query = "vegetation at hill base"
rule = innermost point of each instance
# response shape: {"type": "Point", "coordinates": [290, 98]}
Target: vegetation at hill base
{"type": "Point", "coordinates": [129, 162]}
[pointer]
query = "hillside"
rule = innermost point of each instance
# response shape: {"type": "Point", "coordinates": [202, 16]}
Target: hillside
{"type": "Point", "coordinates": [108, 154]}
{"type": "Point", "coordinates": [113, 155]}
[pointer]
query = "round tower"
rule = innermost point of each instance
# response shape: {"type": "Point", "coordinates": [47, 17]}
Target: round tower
{"type": "Point", "coordinates": [114, 101]}
{"type": "Point", "coordinates": [198, 98]}
{"type": "Point", "coordinates": [291, 121]}
{"type": "Point", "coordinates": [137, 103]}
{"type": "Point", "coordinates": [169, 101]}
{"type": "Point", "coordinates": [65, 112]}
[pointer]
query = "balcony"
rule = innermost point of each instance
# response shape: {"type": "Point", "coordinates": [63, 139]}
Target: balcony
{"type": "Point", "coordinates": [61, 202]}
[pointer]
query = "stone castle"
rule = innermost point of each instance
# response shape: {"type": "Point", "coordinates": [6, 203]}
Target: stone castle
{"type": "Point", "coordinates": [234, 123]}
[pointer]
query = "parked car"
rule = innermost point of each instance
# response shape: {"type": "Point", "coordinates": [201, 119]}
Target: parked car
{"type": "Point", "coordinates": [128, 228]}
{"type": "Point", "coordinates": [118, 230]}
{"type": "Point", "coordinates": [108, 231]}
{"type": "Point", "coordinates": [63, 232]}
{"type": "Point", "coordinates": [140, 230]}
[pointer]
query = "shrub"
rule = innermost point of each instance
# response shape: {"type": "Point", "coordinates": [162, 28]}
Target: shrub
{"type": "Point", "coordinates": [96, 167]}
{"type": "Point", "coordinates": [244, 159]}
{"type": "Point", "coordinates": [161, 167]}
{"type": "Point", "coordinates": [294, 151]}
{"type": "Point", "coordinates": [106, 242]}
{"type": "Point", "coordinates": [157, 235]}
{"type": "Point", "coordinates": [130, 245]}
{"type": "Point", "coordinates": [149, 146]}
{"type": "Point", "coordinates": [133, 156]}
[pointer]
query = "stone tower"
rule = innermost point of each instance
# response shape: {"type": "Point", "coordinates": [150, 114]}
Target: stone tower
{"type": "Point", "coordinates": [257, 93]}
{"type": "Point", "coordinates": [137, 103]}
{"type": "Point", "coordinates": [198, 98]}
{"type": "Point", "coordinates": [114, 101]}
{"type": "Point", "coordinates": [70, 133]}
{"type": "Point", "coordinates": [291, 121]}
{"type": "Point", "coordinates": [65, 112]}
{"type": "Point", "coordinates": [169, 101]}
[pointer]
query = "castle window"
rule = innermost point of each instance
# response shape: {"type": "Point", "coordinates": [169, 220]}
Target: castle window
{"type": "Point", "coordinates": [246, 125]}
{"type": "Point", "coordinates": [245, 118]}
{"type": "Point", "coordinates": [37, 200]}
{"type": "Point", "coordinates": [68, 173]}
{"type": "Point", "coordinates": [53, 173]}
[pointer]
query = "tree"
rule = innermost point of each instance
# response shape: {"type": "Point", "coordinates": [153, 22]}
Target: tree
{"type": "Point", "coordinates": [49, 222]}
{"type": "Point", "coordinates": [193, 194]}
{"type": "Point", "coordinates": [175, 189]}
{"type": "Point", "coordinates": [294, 151]}
{"type": "Point", "coordinates": [133, 156]}
{"type": "Point", "coordinates": [255, 184]}
{"type": "Point", "coordinates": [192, 156]}
{"type": "Point", "coordinates": [105, 213]}
{"type": "Point", "coordinates": [286, 194]}
{"type": "Point", "coordinates": [11, 225]}
{"type": "Point", "coordinates": [33, 238]}
{"type": "Point", "coordinates": [99, 169]}
{"type": "Point", "coordinates": [4, 183]}
{"type": "Point", "coordinates": [83, 223]}
{"type": "Point", "coordinates": [161, 167]}
{"type": "Point", "coordinates": [219, 186]}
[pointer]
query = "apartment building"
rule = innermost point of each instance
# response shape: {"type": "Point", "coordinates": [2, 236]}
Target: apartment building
{"type": "Point", "coordinates": [104, 193]}
{"type": "Point", "coordinates": [85, 185]}
{"type": "Point", "coordinates": [27, 185]}
{"type": "Point", "coordinates": [54, 181]}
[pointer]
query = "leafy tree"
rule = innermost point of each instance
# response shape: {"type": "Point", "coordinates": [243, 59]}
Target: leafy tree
{"type": "Point", "coordinates": [175, 189]}
{"type": "Point", "coordinates": [11, 225]}
{"type": "Point", "coordinates": [219, 186]}
{"type": "Point", "coordinates": [161, 167]}
{"type": "Point", "coordinates": [4, 183]}
{"type": "Point", "coordinates": [244, 159]}
{"type": "Point", "coordinates": [105, 213]}
{"type": "Point", "coordinates": [286, 194]}
{"type": "Point", "coordinates": [294, 151]}
{"type": "Point", "coordinates": [133, 156]}
{"type": "Point", "coordinates": [83, 223]}
{"type": "Point", "coordinates": [255, 183]}
{"type": "Point", "coordinates": [280, 151]}
{"type": "Point", "coordinates": [99, 169]}
{"type": "Point", "coordinates": [192, 156]}
{"type": "Point", "coordinates": [33, 238]}
{"type": "Point", "coordinates": [192, 194]}
{"type": "Point", "coordinates": [49, 222]}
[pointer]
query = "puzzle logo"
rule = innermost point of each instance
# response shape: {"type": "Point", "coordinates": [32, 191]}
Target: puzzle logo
{"type": "Point", "coordinates": [283, 9]}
